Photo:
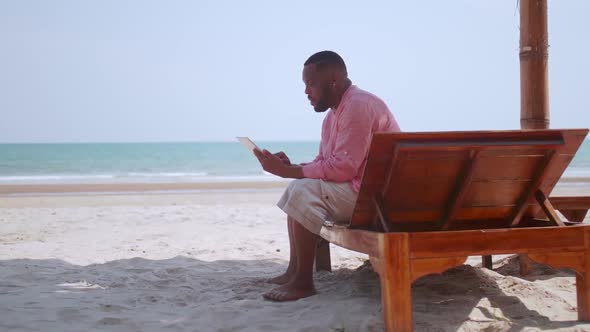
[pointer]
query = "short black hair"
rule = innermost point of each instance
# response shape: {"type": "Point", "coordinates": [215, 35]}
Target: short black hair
{"type": "Point", "coordinates": [326, 58]}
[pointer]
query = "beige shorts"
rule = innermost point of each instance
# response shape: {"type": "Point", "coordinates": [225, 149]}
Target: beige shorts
{"type": "Point", "coordinates": [313, 201]}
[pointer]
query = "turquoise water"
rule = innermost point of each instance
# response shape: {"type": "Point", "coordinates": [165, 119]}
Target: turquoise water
{"type": "Point", "coordinates": [140, 162]}
{"type": "Point", "coordinates": [162, 162]}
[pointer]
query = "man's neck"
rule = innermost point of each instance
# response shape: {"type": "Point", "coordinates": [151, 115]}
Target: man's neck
{"type": "Point", "coordinates": [340, 93]}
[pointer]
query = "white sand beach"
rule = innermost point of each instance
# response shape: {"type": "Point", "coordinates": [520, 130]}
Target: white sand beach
{"type": "Point", "coordinates": [196, 261]}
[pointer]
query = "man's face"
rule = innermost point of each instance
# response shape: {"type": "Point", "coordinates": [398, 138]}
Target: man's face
{"type": "Point", "coordinates": [317, 87]}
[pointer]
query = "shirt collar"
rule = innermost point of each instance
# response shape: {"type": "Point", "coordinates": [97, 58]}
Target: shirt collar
{"type": "Point", "coordinates": [344, 98]}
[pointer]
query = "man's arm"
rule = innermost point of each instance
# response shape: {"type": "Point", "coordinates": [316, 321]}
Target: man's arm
{"type": "Point", "coordinates": [350, 148]}
{"type": "Point", "coordinates": [276, 165]}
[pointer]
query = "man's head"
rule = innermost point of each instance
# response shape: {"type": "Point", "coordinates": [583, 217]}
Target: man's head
{"type": "Point", "coordinates": [326, 79]}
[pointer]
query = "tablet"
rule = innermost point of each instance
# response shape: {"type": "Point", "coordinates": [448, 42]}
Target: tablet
{"type": "Point", "coordinates": [247, 143]}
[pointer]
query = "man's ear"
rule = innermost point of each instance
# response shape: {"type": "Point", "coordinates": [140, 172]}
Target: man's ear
{"type": "Point", "coordinates": [335, 76]}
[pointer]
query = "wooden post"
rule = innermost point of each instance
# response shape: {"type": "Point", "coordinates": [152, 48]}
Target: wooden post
{"type": "Point", "coordinates": [534, 81]}
{"type": "Point", "coordinates": [583, 285]}
{"type": "Point", "coordinates": [396, 282]}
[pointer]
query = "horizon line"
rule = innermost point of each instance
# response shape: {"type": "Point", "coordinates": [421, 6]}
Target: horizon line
{"type": "Point", "coordinates": [160, 142]}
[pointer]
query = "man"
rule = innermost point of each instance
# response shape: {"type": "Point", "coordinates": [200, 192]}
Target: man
{"type": "Point", "coordinates": [327, 187]}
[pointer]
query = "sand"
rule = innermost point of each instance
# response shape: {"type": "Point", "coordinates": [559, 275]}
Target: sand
{"type": "Point", "coordinates": [196, 261]}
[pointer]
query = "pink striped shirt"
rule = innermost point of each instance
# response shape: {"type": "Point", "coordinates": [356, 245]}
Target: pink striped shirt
{"type": "Point", "coordinates": [346, 135]}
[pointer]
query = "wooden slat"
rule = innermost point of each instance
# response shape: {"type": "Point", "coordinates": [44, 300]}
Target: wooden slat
{"type": "Point", "coordinates": [433, 215]}
{"type": "Point", "coordinates": [570, 202]}
{"type": "Point", "coordinates": [494, 135]}
{"type": "Point", "coordinates": [419, 194]}
{"type": "Point", "coordinates": [559, 260]}
{"type": "Point", "coordinates": [465, 225]}
{"type": "Point", "coordinates": [381, 212]}
{"type": "Point", "coordinates": [501, 241]}
{"type": "Point", "coordinates": [496, 193]}
{"type": "Point", "coordinates": [361, 241]}
{"type": "Point", "coordinates": [393, 169]}
{"type": "Point", "coordinates": [507, 167]}
{"type": "Point", "coordinates": [425, 266]}
{"type": "Point", "coordinates": [464, 214]}
{"type": "Point", "coordinates": [376, 178]}
{"type": "Point", "coordinates": [378, 202]}
{"type": "Point", "coordinates": [484, 212]}
{"type": "Point", "coordinates": [533, 187]}
{"type": "Point", "coordinates": [574, 215]}
{"type": "Point", "coordinates": [415, 215]}
{"type": "Point", "coordinates": [548, 208]}
{"type": "Point", "coordinates": [478, 145]}
{"type": "Point", "coordinates": [529, 152]}
{"type": "Point", "coordinates": [435, 165]}
{"type": "Point", "coordinates": [458, 195]}
{"type": "Point", "coordinates": [574, 208]}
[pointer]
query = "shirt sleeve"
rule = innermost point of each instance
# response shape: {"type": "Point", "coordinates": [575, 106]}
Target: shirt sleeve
{"type": "Point", "coordinates": [354, 129]}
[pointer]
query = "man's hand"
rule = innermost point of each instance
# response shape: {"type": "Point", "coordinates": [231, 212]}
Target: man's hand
{"type": "Point", "coordinates": [283, 157]}
{"type": "Point", "coordinates": [272, 163]}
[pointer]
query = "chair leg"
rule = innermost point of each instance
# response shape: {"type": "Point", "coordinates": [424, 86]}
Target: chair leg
{"type": "Point", "coordinates": [525, 264]}
{"type": "Point", "coordinates": [396, 283]}
{"type": "Point", "coordinates": [583, 295]}
{"type": "Point", "coordinates": [486, 261]}
{"type": "Point", "coordinates": [322, 256]}
{"type": "Point", "coordinates": [583, 290]}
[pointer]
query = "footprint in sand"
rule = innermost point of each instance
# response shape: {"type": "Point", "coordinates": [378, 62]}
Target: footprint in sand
{"type": "Point", "coordinates": [111, 321]}
{"type": "Point", "coordinates": [70, 315]}
{"type": "Point", "coordinates": [112, 308]}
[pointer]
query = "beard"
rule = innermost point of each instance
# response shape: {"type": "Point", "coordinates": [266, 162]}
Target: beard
{"type": "Point", "coordinates": [320, 107]}
{"type": "Point", "coordinates": [322, 104]}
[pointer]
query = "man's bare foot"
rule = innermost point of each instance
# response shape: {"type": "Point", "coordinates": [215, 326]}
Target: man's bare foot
{"type": "Point", "coordinates": [289, 292]}
{"type": "Point", "coordinates": [281, 280]}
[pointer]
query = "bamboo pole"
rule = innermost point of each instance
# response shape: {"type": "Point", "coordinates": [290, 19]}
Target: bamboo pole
{"type": "Point", "coordinates": [534, 77]}
{"type": "Point", "coordinates": [534, 91]}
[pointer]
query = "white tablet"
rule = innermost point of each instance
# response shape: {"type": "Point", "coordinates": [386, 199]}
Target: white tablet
{"type": "Point", "coordinates": [248, 143]}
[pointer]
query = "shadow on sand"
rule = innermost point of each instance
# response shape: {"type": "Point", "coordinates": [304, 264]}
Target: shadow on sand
{"type": "Point", "coordinates": [186, 294]}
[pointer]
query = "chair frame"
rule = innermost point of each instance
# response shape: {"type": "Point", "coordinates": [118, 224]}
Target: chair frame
{"type": "Point", "coordinates": [403, 246]}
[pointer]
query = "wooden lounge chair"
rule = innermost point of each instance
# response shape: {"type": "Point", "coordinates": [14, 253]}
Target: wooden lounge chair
{"type": "Point", "coordinates": [429, 200]}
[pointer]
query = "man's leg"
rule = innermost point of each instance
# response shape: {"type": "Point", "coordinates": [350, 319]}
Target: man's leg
{"type": "Point", "coordinates": [286, 277]}
{"type": "Point", "coordinates": [301, 284]}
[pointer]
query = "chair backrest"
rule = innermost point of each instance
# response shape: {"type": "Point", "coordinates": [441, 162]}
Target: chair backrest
{"type": "Point", "coordinates": [460, 180]}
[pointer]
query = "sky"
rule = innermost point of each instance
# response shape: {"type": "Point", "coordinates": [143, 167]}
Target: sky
{"type": "Point", "coordinates": [170, 71]}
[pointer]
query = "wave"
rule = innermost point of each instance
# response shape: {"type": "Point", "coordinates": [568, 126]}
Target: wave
{"type": "Point", "coordinates": [50, 177]}
{"type": "Point", "coordinates": [135, 177]}
{"type": "Point", "coordinates": [572, 174]}
{"type": "Point", "coordinates": [168, 174]}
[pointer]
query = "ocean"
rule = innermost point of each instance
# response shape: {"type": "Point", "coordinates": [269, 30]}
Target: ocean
{"type": "Point", "coordinates": [163, 162]}
{"type": "Point", "coordinates": [140, 162]}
